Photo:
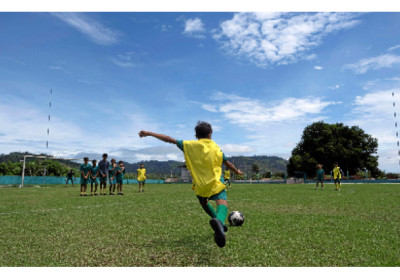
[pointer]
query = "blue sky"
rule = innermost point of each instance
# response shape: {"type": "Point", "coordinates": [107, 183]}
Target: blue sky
{"type": "Point", "coordinates": [258, 78]}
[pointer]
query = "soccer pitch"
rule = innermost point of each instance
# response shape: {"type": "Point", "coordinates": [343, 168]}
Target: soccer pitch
{"type": "Point", "coordinates": [286, 225]}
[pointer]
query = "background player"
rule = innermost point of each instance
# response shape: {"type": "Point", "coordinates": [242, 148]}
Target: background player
{"type": "Point", "coordinates": [94, 177]}
{"type": "Point", "coordinates": [337, 175]}
{"type": "Point", "coordinates": [320, 176]}
{"type": "Point", "coordinates": [85, 173]}
{"type": "Point", "coordinates": [112, 172]}
{"type": "Point", "coordinates": [141, 177]}
{"type": "Point", "coordinates": [120, 176]}
{"type": "Point", "coordinates": [70, 177]}
{"type": "Point", "coordinates": [227, 177]}
{"type": "Point", "coordinates": [104, 165]}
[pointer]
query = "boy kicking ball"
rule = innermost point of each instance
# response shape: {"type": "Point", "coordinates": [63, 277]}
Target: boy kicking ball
{"type": "Point", "coordinates": [204, 160]}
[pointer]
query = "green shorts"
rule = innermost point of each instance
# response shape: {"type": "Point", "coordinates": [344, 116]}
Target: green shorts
{"type": "Point", "coordinates": [84, 181]}
{"type": "Point", "coordinates": [320, 179]}
{"type": "Point", "coordinates": [103, 179]}
{"type": "Point", "coordinates": [112, 182]}
{"type": "Point", "coordinates": [120, 181]}
{"type": "Point", "coordinates": [95, 181]}
{"type": "Point", "coordinates": [144, 181]}
{"type": "Point", "coordinates": [218, 196]}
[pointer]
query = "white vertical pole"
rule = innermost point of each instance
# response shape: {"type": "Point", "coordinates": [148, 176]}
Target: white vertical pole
{"type": "Point", "coordinates": [23, 173]}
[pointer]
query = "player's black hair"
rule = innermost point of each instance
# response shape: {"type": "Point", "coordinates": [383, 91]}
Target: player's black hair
{"type": "Point", "coordinates": [202, 129]}
{"type": "Point", "coordinates": [119, 162]}
{"type": "Point", "coordinates": [85, 158]}
{"type": "Point", "coordinates": [94, 161]}
{"type": "Point", "coordinates": [105, 155]}
{"type": "Point", "coordinates": [141, 164]}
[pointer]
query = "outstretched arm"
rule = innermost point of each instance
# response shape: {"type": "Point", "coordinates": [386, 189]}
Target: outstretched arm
{"type": "Point", "coordinates": [161, 137]}
{"type": "Point", "coordinates": [230, 166]}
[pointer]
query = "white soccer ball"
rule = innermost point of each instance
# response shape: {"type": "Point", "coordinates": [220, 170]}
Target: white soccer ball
{"type": "Point", "coordinates": [236, 218]}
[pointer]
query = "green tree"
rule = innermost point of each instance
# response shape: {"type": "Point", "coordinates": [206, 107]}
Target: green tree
{"type": "Point", "coordinates": [326, 144]}
{"type": "Point", "coordinates": [255, 168]}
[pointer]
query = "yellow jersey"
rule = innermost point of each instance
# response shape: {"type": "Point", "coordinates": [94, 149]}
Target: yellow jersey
{"type": "Point", "coordinates": [204, 160]}
{"type": "Point", "coordinates": [141, 174]}
{"type": "Point", "coordinates": [336, 173]}
{"type": "Point", "coordinates": [227, 174]}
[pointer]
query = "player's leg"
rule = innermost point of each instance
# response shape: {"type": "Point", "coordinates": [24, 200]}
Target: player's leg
{"type": "Point", "coordinates": [91, 187]}
{"type": "Point", "coordinates": [140, 186]}
{"type": "Point", "coordinates": [207, 207]}
{"type": "Point", "coordinates": [143, 183]}
{"type": "Point", "coordinates": [316, 186]}
{"type": "Point", "coordinates": [120, 188]}
{"type": "Point", "coordinates": [95, 187]}
{"type": "Point", "coordinates": [82, 189]}
{"type": "Point", "coordinates": [218, 223]}
{"type": "Point", "coordinates": [339, 184]}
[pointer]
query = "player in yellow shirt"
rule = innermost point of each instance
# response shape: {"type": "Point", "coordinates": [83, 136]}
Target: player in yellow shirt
{"type": "Point", "coordinates": [227, 177]}
{"type": "Point", "coordinates": [141, 177]}
{"type": "Point", "coordinates": [204, 160]}
{"type": "Point", "coordinates": [337, 175]}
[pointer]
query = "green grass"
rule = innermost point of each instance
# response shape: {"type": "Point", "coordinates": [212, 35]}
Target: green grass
{"type": "Point", "coordinates": [286, 225]}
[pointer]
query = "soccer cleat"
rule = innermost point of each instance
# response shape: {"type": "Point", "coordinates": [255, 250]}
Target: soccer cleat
{"type": "Point", "coordinates": [219, 235]}
{"type": "Point", "coordinates": [225, 228]}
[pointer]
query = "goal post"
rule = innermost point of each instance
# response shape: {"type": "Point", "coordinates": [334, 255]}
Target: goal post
{"type": "Point", "coordinates": [40, 157]}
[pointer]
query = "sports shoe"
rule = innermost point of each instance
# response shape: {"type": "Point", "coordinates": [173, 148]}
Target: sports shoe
{"type": "Point", "coordinates": [225, 228]}
{"type": "Point", "coordinates": [219, 235]}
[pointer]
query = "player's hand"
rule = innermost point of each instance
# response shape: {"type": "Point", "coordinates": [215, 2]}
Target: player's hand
{"type": "Point", "coordinates": [240, 172]}
{"type": "Point", "coordinates": [143, 133]}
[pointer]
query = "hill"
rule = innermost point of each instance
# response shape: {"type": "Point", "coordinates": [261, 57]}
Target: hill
{"type": "Point", "coordinates": [166, 168]}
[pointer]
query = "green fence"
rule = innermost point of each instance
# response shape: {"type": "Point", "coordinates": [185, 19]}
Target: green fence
{"type": "Point", "coordinates": [53, 180]}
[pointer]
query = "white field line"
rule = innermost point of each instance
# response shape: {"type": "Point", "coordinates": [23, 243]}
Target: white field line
{"type": "Point", "coordinates": [61, 209]}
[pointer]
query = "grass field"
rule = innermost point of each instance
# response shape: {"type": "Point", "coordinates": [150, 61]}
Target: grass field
{"type": "Point", "coordinates": [286, 225]}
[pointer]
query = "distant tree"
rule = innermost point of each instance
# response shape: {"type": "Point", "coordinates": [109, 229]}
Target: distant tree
{"type": "Point", "coordinates": [267, 174]}
{"type": "Point", "coordinates": [255, 168]}
{"type": "Point", "coordinates": [323, 143]}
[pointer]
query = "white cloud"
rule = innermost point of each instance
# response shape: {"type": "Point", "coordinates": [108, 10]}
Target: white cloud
{"type": "Point", "coordinates": [393, 48]}
{"type": "Point", "coordinates": [124, 60]}
{"type": "Point", "coordinates": [373, 63]}
{"type": "Point", "coordinates": [334, 87]}
{"type": "Point", "coordinates": [96, 31]}
{"type": "Point", "coordinates": [374, 113]}
{"type": "Point", "coordinates": [251, 113]}
{"type": "Point", "coordinates": [235, 149]}
{"type": "Point", "coordinates": [316, 67]}
{"type": "Point", "coordinates": [278, 38]}
{"type": "Point", "coordinates": [194, 28]}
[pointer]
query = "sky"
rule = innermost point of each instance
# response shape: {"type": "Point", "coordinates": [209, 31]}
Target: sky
{"type": "Point", "coordinates": [258, 77]}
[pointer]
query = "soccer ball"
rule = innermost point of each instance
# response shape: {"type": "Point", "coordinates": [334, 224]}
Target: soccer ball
{"type": "Point", "coordinates": [236, 218]}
